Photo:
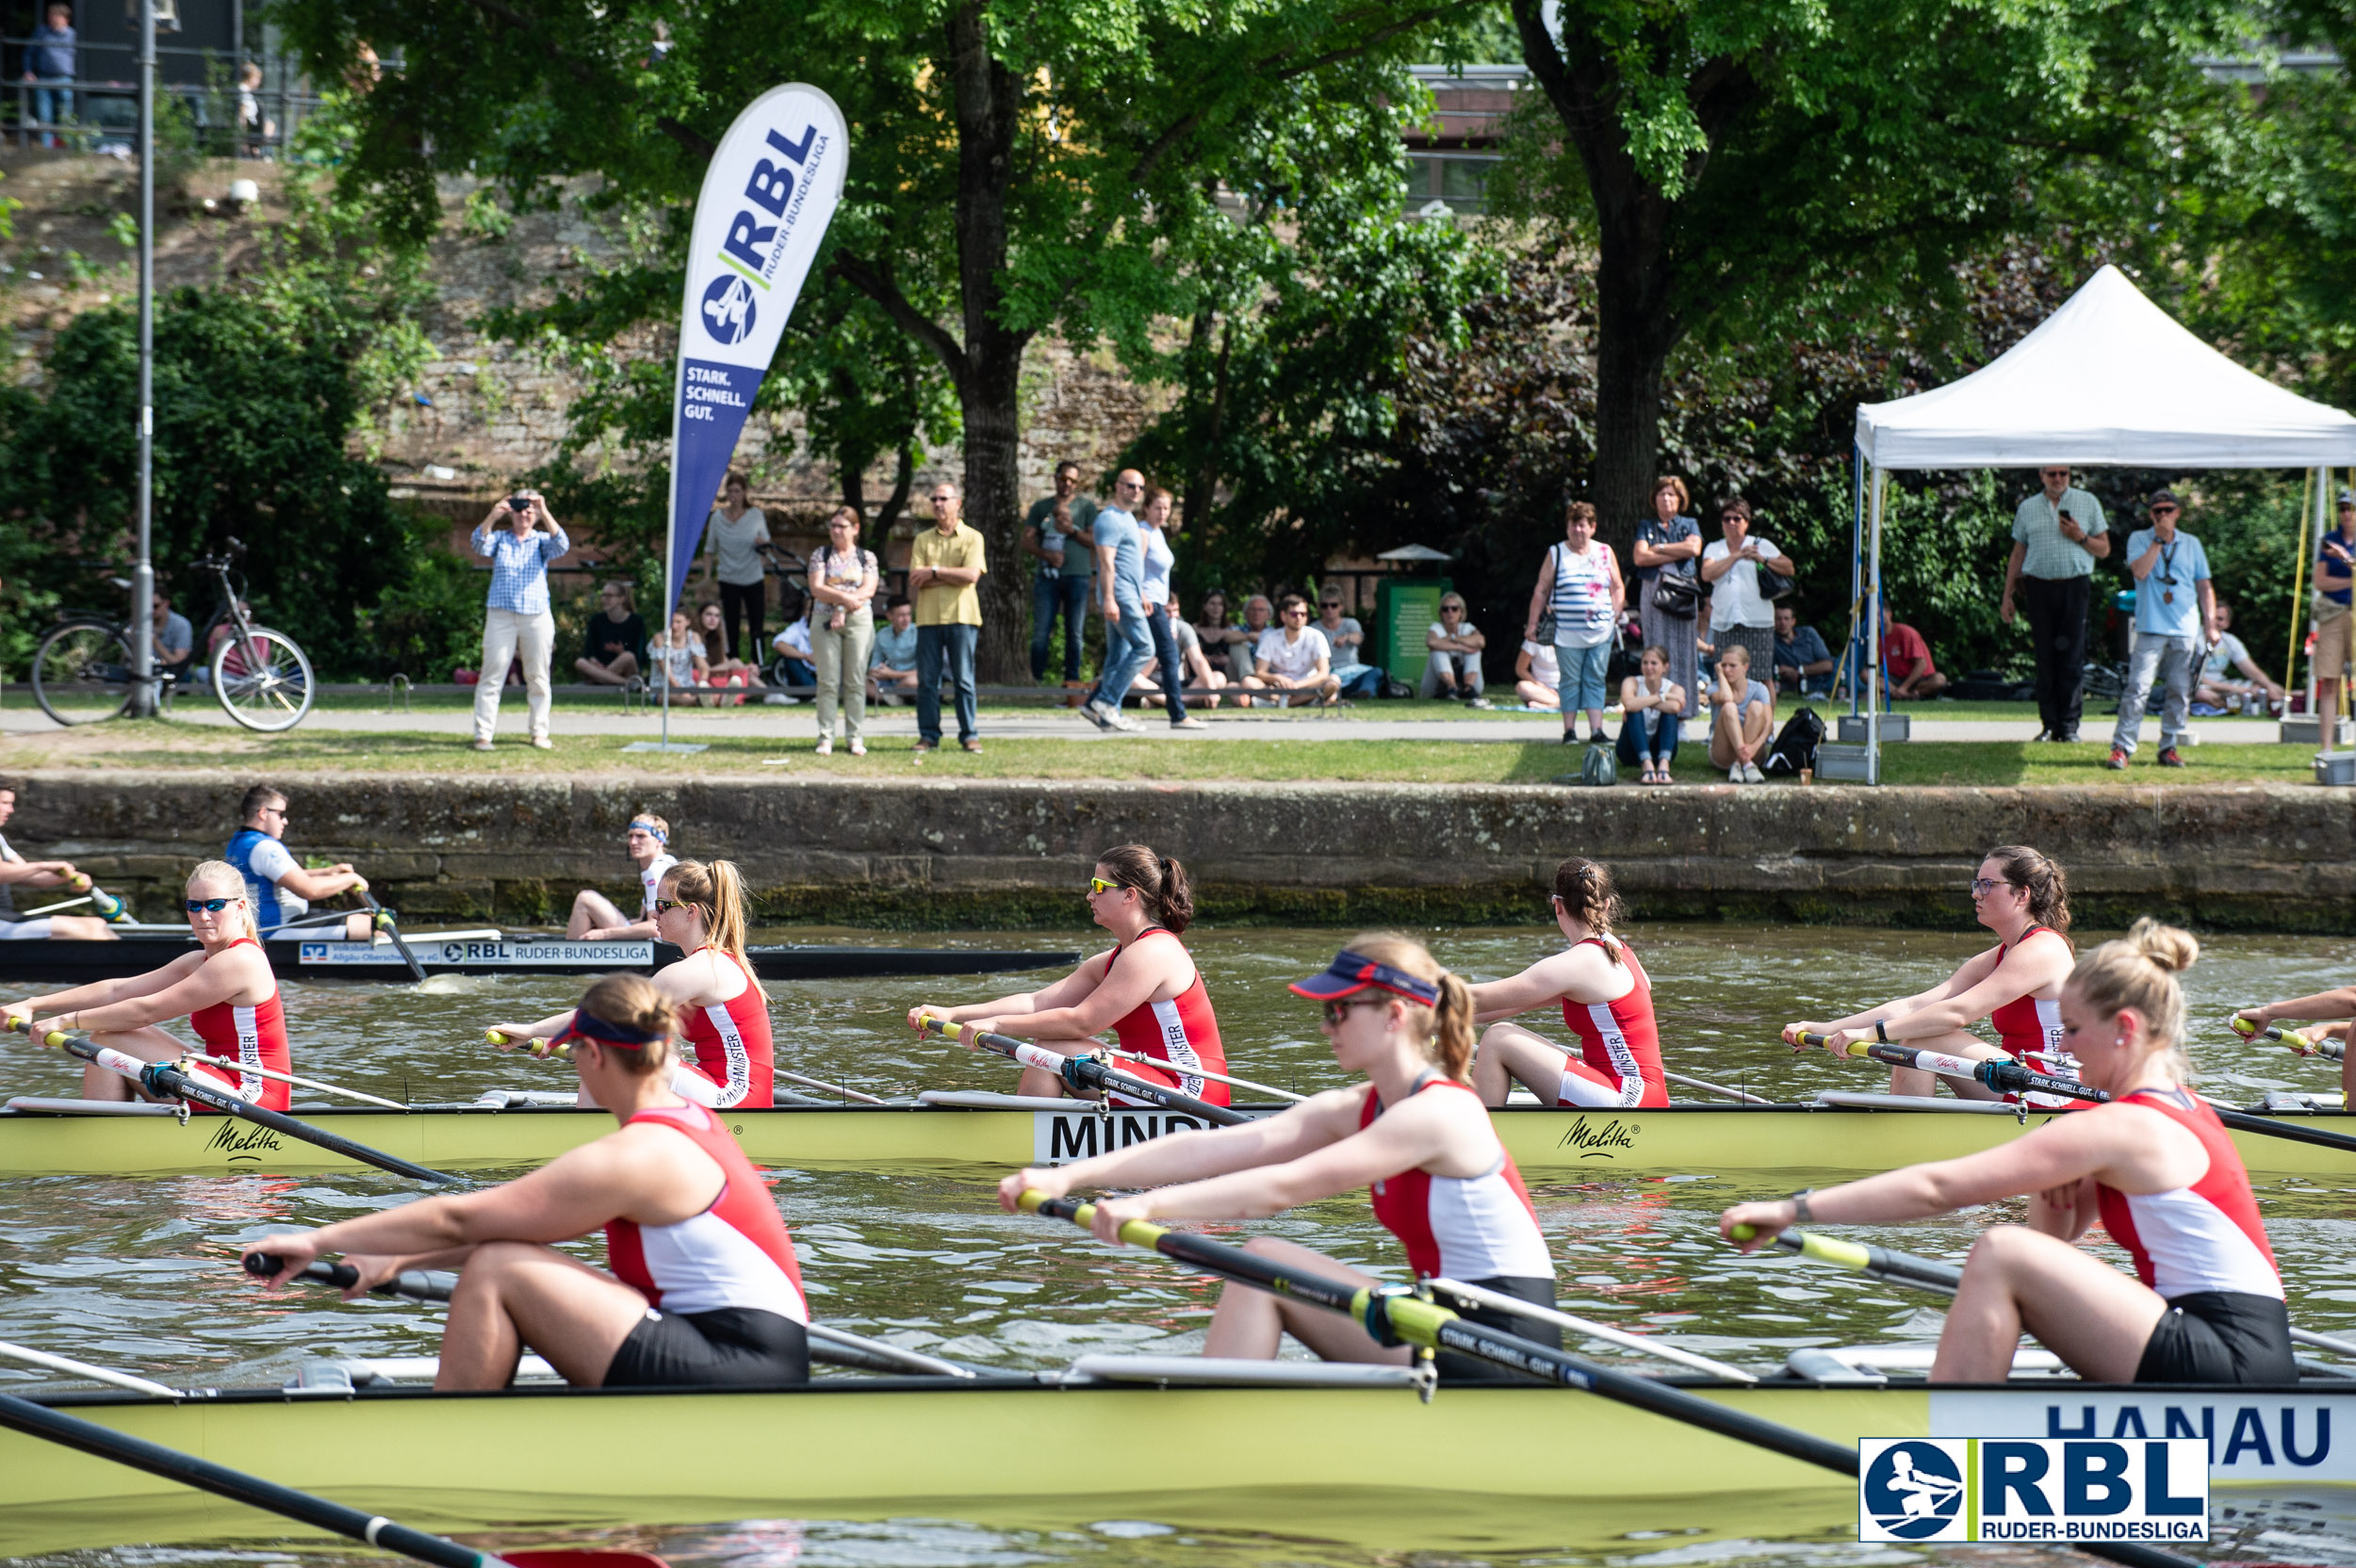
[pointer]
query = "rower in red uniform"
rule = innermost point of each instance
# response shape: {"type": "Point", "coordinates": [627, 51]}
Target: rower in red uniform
{"type": "Point", "coordinates": [1415, 1135]}
{"type": "Point", "coordinates": [705, 1289]}
{"type": "Point", "coordinates": [725, 1012]}
{"type": "Point", "coordinates": [1606, 1000]}
{"type": "Point", "coordinates": [2023, 897]}
{"type": "Point", "coordinates": [2155, 1164]}
{"type": "Point", "coordinates": [224, 989]}
{"type": "Point", "coordinates": [1146, 990]}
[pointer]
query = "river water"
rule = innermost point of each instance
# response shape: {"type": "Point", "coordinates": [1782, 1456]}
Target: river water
{"type": "Point", "coordinates": [135, 1273]}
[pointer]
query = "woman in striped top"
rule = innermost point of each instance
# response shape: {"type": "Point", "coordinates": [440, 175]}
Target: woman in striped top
{"type": "Point", "coordinates": [1579, 581]}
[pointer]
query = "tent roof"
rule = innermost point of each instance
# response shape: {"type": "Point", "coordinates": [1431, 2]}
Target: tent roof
{"type": "Point", "coordinates": [2108, 379]}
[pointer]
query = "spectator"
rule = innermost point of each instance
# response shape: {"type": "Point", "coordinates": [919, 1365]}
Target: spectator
{"type": "Point", "coordinates": [797, 662]}
{"type": "Point", "coordinates": [1121, 599]}
{"type": "Point", "coordinates": [1294, 658]}
{"type": "Point", "coordinates": [1579, 581]}
{"type": "Point", "coordinates": [1537, 675]}
{"type": "Point", "coordinates": [734, 537]}
{"type": "Point", "coordinates": [1741, 718]}
{"type": "Point", "coordinates": [1060, 532]}
{"type": "Point", "coordinates": [519, 538]}
{"type": "Point", "coordinates": [1803, 662]}
{"type": "Point", "coordinates": [2219, 692]}
{"type": "Point", "coordinates": [2057, 535]}
{"type": "Point", "coordinates": [1907, 657]}
{"type": "Point", "coordinates": [843, 576]}
{"type": "Point", "coordinates": [175, 640]}
{"type": "Point", "coordinates": [1154, 531]}
{"type": "Point", "coordinates": [2335, 573]}
{"type": "Point", "coordinates": [2174, 604]}
{"type": "Point", "coordinates": [615, 643]}
{"type": "Point", "coordinates": [50, 63]}
{"type": "Point", "coordinates": [891, 668]}
{"type": "Point", "coordinates": [1215, 631]}
{"type": "Point", "coordinates": [721, 665]}
{"type": "Point", "coordinates": [1193, 668]}
{"type": "Point", "coordinates": [1671, 542]}
{"type": "Point", "coordinates": [1347, 640]}
{"type": "Point", "coordinates": [677, 659]}
{"type": "Point", "coordinates": [1652, 708]}
{"type": "Point", "coordinates": [946, 564]}
{"type": "Point", "coordinates": [1452, 669]}
{"type": "Point", "coordinates": [1740, 614]}
{"type": "Point", "coordinates": [256, 127]}
{"type": "Point", "coordinates": [1242, 643]}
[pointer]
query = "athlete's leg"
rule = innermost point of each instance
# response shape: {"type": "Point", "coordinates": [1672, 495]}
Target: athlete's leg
{"type": "Point", "coordinates": [81, 929]}
{"type": "Point", "coordinates": [1037, 1081]}
{"type": "Point", "coordinates": [150, 1044]}
{"type": "Point", "coordinates": [1509, 1054]}
{"type": "Point", "coordinates": [2095, 1319]}
{"type": "Point", "coordinates": [1914, 1080]}
{"type": "Point", "coordinates": [591, 911]}
{"type": "Point", "coordinates": [1249, 1322]}
{"type": "Point", "coordinates": [512, 1294]}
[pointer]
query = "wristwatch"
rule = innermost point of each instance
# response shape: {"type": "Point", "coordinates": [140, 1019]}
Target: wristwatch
{"type": "Point", "coordinates": [1801, 1214]}
{"type": "Point", "coordinates": [1881, 1031]}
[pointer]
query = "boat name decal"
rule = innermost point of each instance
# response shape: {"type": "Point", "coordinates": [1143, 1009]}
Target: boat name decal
{"type": "Point", "coordinates": [480, 954]}
{"type": "Point", "coordinates": [2279, 1437]}
{"type": "Point", "coordinates": [1059, 1138]}
{"type": "Point", "coordinates": [240, 1142]}
{"type": "Point", "coordinates": [1597, 1143]}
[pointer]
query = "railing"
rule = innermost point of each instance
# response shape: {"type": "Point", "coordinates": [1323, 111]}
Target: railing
{"type": "Point", "coordinates": [95, 112]}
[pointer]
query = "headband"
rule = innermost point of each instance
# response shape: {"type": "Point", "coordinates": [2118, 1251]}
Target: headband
{"type": "Point", "coordinates": [660, 836]}
{"type": "Point", "coordinates": [1352, 972]}
{"type": "Point", "coordinates": [588, 1026]}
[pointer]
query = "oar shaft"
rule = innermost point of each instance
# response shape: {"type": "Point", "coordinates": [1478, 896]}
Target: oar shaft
{"type": "Point", "coordinates": [1084, 1072]}
{"type": "Point", "coordinates": [1997, 1073]}
{"type": "Point", "coordinates": [291, 1078]}
{"type": "Point", "coordinates": [204, 1475]}
{"type": "Point", "coordinates": [383, 920]}
{"type": "Point", "coordinates": [1269, 1089]}
{"type": "Point", "coordinates": [1709, 1088]}
{"type": "Point", "coordinates": [53, 908]}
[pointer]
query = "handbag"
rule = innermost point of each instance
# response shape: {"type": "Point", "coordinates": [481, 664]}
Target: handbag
{"type": "Point", "coordinates": [1545, 637]}
{"type": "Point", "coordinates": [1774, 585]}
{"type": "Point", "coordinates": [1677, 594]}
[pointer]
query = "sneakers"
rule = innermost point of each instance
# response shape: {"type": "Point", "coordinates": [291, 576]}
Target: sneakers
{"type": "Point", "coordinates": [923, 747]}
{"type": "Point", "coordinates": [971, 745]}
{"type": "Point", "coordinates": [541, 743]}
{"type": "Point", "coordinates": [825, 745]}
{"type": "Point", "coordinates": [2118, 759]}
{"type": "Point", "coordinates": [1751, 773]}
{"type": "Point", "coordinates": [1189, 722]}
{"type": "Point", "coordinates": [1097, 715]}
{"type": "Point", "coordinates": [477, 744]}
{"type": "Point", "coordinates": [1734, 774]}
{"type": "Point", "coordinates": [1116, 719]}
{"type": "Point", "coordinates": [859, 747]}
{"type": "Point", "coordinates": [2170, 757]}
{"type": "Point", "coordinates": [1479, 702]}
{"type": "Point", "coordinates": [778, 699]}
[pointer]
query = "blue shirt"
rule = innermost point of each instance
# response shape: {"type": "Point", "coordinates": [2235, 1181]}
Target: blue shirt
{"type": "Point", "coordinates": [893, 650]}
{"type": "Point", "coordinates": [2338, 568]}
{"type": "Point", "coordinates": [50, 57]}
{"type": "Point", "coordinates": [2163, 609]}
{"type": "Point", "coordinates": [1117, 531]}
{"type": "Point", "coordinates": [519, 567]}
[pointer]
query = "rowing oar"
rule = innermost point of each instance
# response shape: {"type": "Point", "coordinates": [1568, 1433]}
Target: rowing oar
{"type": "Point", "coordinates": [537, 1045]}
{"type": "Point", "coordinates": [1081, 1072]}
{"type": "Point", "coordinates": [1744, 1095]}
{"type": "Point", "coordinates": [162, 1078]}
{"type": "Point", "coordinates": [832, 1345]}
{"type": "Point", "coordinates": [1397, 1315]}
{"type": "Point", "coordinates": [292, 1078]}
{"type": "Point", "coordinates": [383, 919]}
{"type": "Point", "coordinates": [1118, 1054]}
{"type": "Point", "coordinates": [204, 1475]}
{"type": "Point", "coordinates": [53, 908]}
{"type": "Point", "coordinates": [2009, 1077]}
{"type": "Point", "coordinates": [2298, 1040]}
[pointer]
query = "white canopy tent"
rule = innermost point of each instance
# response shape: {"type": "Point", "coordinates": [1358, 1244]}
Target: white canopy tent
{"type": "Point", "coordinates": [2110, 379]}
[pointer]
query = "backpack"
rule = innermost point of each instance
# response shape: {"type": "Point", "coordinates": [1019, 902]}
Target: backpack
{"type": "Point", "coordinates": [1795, 746]}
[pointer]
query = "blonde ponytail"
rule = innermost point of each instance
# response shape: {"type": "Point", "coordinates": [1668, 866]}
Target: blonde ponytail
{"type": "Point", "coordinates": [718, 891]}
{"type": "Point", "coordinates": [2139, 972]}
{"type": "Point", "coordinates": [1447, 1028]}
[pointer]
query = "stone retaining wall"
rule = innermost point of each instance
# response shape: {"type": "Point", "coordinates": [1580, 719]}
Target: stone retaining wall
{"type": "Point", "coordinates": [1009, 854]}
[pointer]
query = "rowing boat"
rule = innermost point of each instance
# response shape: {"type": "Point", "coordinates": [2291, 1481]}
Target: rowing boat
{"type": "Point", "coordinates": [494, 952]}
{"type": "Point", "coordinates": [1496, 1466]}
{"type": "Point", "coordinates": [1835, 1138]}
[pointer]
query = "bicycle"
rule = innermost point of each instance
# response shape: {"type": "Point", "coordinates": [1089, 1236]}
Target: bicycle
{"type": "Point", "coordinates": [262, 680]}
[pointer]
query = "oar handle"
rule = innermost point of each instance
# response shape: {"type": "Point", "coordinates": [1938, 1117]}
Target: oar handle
{"type": "Point", "coordinates": [416, 1285]}
{"type": "Point", "coordinates": [78, 880]}
{"type": "Point", "coordinates": [1084, 1072]}
{"type": "Point", "coordinates": [24, 1026]}
{"type": "Point", "coordinates": [536, 1045]}
{"type": "Point", "coordinates": [1809, 1040]}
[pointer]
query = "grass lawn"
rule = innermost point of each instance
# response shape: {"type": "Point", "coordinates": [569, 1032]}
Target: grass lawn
{"type": "Point", "coordinates": [1982, 763]}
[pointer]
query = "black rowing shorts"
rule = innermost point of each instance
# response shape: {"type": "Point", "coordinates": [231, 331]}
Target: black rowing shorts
{"type": "Point", "coordinates": [2221, 1336]}
{"type": "Point", "coordinates": [1454, 1368]}
{"type": "Point", "coordinates": [730, 1346]}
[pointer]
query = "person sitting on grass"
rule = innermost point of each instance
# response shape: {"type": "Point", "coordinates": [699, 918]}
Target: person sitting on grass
{"type": "Point", "coordinates": [2218, 692]}
{"type": "Point", "coordinates": [797, 665]}
{"type": "Point", "coordinates": [1907, 657]}
{"type": "Point", "coordinates": [892, 668]}
{"type": "Point", "coordinates": [676, 661]}
{"type": "Point", "coordinates": [1538, 676]}
{"type": "Point", "coordinates": [1196, 675]}
{"type": "Point", "coordinates": [1294, 658]}
{"type": "Point", "coordinates": [1652, 707]}
{"type": "Point", "coordinates": [1741, 718]}
{"type": "Point", "coordinates": [612, 641]}
{"type": "Point", "coordinates": [1453, 672]}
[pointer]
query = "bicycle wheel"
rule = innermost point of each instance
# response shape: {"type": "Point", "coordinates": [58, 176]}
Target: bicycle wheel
{"type": "Point", "coordinates": [264, 684]}
{"type": "Point", "coordinates": [82, 673]}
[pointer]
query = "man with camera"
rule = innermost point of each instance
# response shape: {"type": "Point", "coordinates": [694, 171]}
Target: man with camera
{"type": "Point", "coordinates": [2057, 536]}
{"type": "Point", "coordinates": [2174, 604]}
{"type": "Point", "coordinates": [519, 538]}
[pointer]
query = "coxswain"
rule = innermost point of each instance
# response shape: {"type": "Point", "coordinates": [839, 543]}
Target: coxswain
{"type": "Point", "coordinates": [1416, 1135]}
{"type": "Point", "coordinates": [280, 889]}
{"type": "Point", "coordinates": [2340, 1004]}
{"type": "Point", "coordinates": [1146, 990]}
{"type": "Point", "coordinates": [2154, 1164]}
{"type": "Point", "coordinates": [17, 875]}
{"type": "Point", "coordinates": [701, 910]}
{"type": "Point", "coordinates": [2023, 897]}
{"type": "Point", "coordinates": [595, 919]}
{"type": "Point", "coordinates": [224, 989]}
{"type": "Point", "coordinates": [1606, 998]}
{"type": "Point", "coordinates": [704, 1288]}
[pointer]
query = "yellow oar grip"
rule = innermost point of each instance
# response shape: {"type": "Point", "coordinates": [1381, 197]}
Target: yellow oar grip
{"type": "Point", "coordinates": [1843, 1254]}
{"type": "Point", "coordinates": [359, 884]}
{"type": "Point", "coordinates": [496, 1037]}
{"type": "Point", "coordinates": [79, 881]}
{"type": "Point", "coordinates": [1856, 1048]}
{"type": "Point", "coordinates": [1137, 1233]}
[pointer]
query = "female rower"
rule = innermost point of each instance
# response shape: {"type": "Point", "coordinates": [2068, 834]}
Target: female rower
{"type": "Point", "coordinates": [2157, 1168]}
{"type": "Point", "coordinates": [1146, 990]}
{"type": "Point", "coordinates": [701, 910]}
{"type": "Point", "coordinates": [704, 1290]}
{"type": "Point", "coordinates": [2021, 896]}
{"type": "Point", "coordinates": [224, 989]}
{"type": "Point", "coordinates": [1416, 1135]}
{"type": "Point", "coordinates": [1606, 1000]}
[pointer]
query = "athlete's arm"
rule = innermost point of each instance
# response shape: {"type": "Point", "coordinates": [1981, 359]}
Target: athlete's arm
{"type": "Point", "coordinates": [2338, 1003]}
{"type": "Point", "coordinates": [1972, 971]}
{"type": "Point", "coordinates": [101, 993]}
{"type": "Point", "coordinates": [1064, 992]}
{"type": "Point", "coordinates": [1582, 968]}
{"type": "Point", "coordinates": [546, 1029]}
{"type": "Point", "coordinates": [34, 873]}
{"type": "Point", "coordinates": [2065, 1211]}
{"type": "Point", "coordinates": [1321, 1120]}
{"type": "Point", "coordinates": [700, 980]}
{"type": "Point", "coordinates": [1139, 973]}
{"type": "Point", "coordinates": [2025, 969]}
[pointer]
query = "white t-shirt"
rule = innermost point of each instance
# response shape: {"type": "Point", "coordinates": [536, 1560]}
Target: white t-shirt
{"type": "Point", "coordinates": [1293, 661]}
{"type": "Point", "coordinates": [1734, 598]}
{"type": "Point", "coordinates": [651, 879]}
{"type": "Point", "coordinates": [271, 861]}
{"type": "Point", "coordinates": [794, 639]}
{"type": "Point", "coordinates": [2223, 658]}
{"type": "Point", "coordinates": [1159, 559]}
{"type": "Point", "coordinates": [1544, 667]}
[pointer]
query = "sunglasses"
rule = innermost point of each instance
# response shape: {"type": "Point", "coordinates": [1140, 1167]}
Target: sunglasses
{"type": "Point", "coordinates": [665, 905]}
{"type": "Point", "coordinates": [2163, 512]}
{"type": "Point", "coordinates": [210, 906]}
{"type": "Point", "coordinates": [1099, 885]}
{"type": "Point", "coordinates": [1339, 1007]}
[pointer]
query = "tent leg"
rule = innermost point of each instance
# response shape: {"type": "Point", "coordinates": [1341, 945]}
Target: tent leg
{"type": "Point", "coordinates": [1872, 599]}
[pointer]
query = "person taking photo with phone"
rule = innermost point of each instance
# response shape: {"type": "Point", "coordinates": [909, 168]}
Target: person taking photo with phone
{"type": "Point", "coordinates": [519, 538]}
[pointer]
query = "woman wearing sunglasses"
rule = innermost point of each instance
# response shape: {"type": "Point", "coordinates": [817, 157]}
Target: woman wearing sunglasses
{"type": "Point", "coordinates": [2017, 985]}
{"type": "Point", "coordinates": [1146, 990]}
{"type": "Point", "coordinates": [1606, 998]}
{"type": "Point", "coordinates": [1415, 1135]}
{"type": "Point", "coordinates": [725, 1013]}
{"type": "Point", "coordinates": [224, 989]}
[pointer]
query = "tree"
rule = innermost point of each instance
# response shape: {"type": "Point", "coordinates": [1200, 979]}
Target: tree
{"type": "Point", "coordinates": [1736, 160]}
{"type": "Point", "coordinates": [1013, 168]}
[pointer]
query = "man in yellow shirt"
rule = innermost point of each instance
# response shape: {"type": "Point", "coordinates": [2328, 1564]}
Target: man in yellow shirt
{"type": "Point", "coordinates": [945, 565]}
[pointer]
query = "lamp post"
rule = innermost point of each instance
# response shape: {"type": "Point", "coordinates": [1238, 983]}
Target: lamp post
{"type": "Point", "coordinates": [143, 701]}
